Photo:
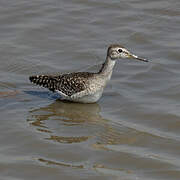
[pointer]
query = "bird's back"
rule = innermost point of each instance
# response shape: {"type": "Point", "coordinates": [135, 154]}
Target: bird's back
{"type": "Point", "coordinates": [68, 84]}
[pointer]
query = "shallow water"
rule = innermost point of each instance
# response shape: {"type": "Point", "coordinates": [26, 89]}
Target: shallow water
{"type": "Point", "coordinates": [132, 132]}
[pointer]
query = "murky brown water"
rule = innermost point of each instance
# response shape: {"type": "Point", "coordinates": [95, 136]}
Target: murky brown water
{"type": "Point", "coordinates": [132, 133]}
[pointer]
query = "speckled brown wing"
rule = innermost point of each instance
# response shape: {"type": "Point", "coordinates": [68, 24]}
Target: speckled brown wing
{"type": "Point", "coordinates": [68, 84]}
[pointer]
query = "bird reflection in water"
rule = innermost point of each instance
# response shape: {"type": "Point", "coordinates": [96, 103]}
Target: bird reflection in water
{"type": "Point", "coordinates": [66, 117]}
{"type": "Point", "coordinates": [80, 125]}
{"type": "Point", "coordinates": [73, 123]}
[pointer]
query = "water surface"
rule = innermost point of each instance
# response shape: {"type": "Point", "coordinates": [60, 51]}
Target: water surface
{"type": "Point", "coordinates": [132, 132]}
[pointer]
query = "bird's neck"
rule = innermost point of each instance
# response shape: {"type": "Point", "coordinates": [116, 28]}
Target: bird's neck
{"type": "Point", "coordinates": [107, 67]}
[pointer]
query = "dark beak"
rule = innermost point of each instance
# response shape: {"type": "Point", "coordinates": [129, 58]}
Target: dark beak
{"type": "Point", "coordinates": [138, 58]}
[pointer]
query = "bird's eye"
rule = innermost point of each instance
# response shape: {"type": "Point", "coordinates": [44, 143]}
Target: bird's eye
{"type": "Point", "coordinates": [120, 50]}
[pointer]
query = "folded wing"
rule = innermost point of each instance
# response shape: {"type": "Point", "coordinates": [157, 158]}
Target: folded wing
{"type": "Point", "coordinates": [67, 84]}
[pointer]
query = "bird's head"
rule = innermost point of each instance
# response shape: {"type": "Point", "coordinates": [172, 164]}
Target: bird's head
{"type": "Point", "coordinates": [117, 51]}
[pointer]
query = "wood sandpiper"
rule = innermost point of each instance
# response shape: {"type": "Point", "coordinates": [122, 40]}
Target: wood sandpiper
{"type": "Point", "coordinates": [85, 87]}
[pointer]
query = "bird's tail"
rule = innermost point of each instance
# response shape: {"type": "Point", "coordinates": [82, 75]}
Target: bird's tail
{"type": "Point", "coordinates": [45, 81]}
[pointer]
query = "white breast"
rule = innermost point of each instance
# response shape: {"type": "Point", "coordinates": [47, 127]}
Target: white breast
{"type": "Point", "coordinates": [91, 98]}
